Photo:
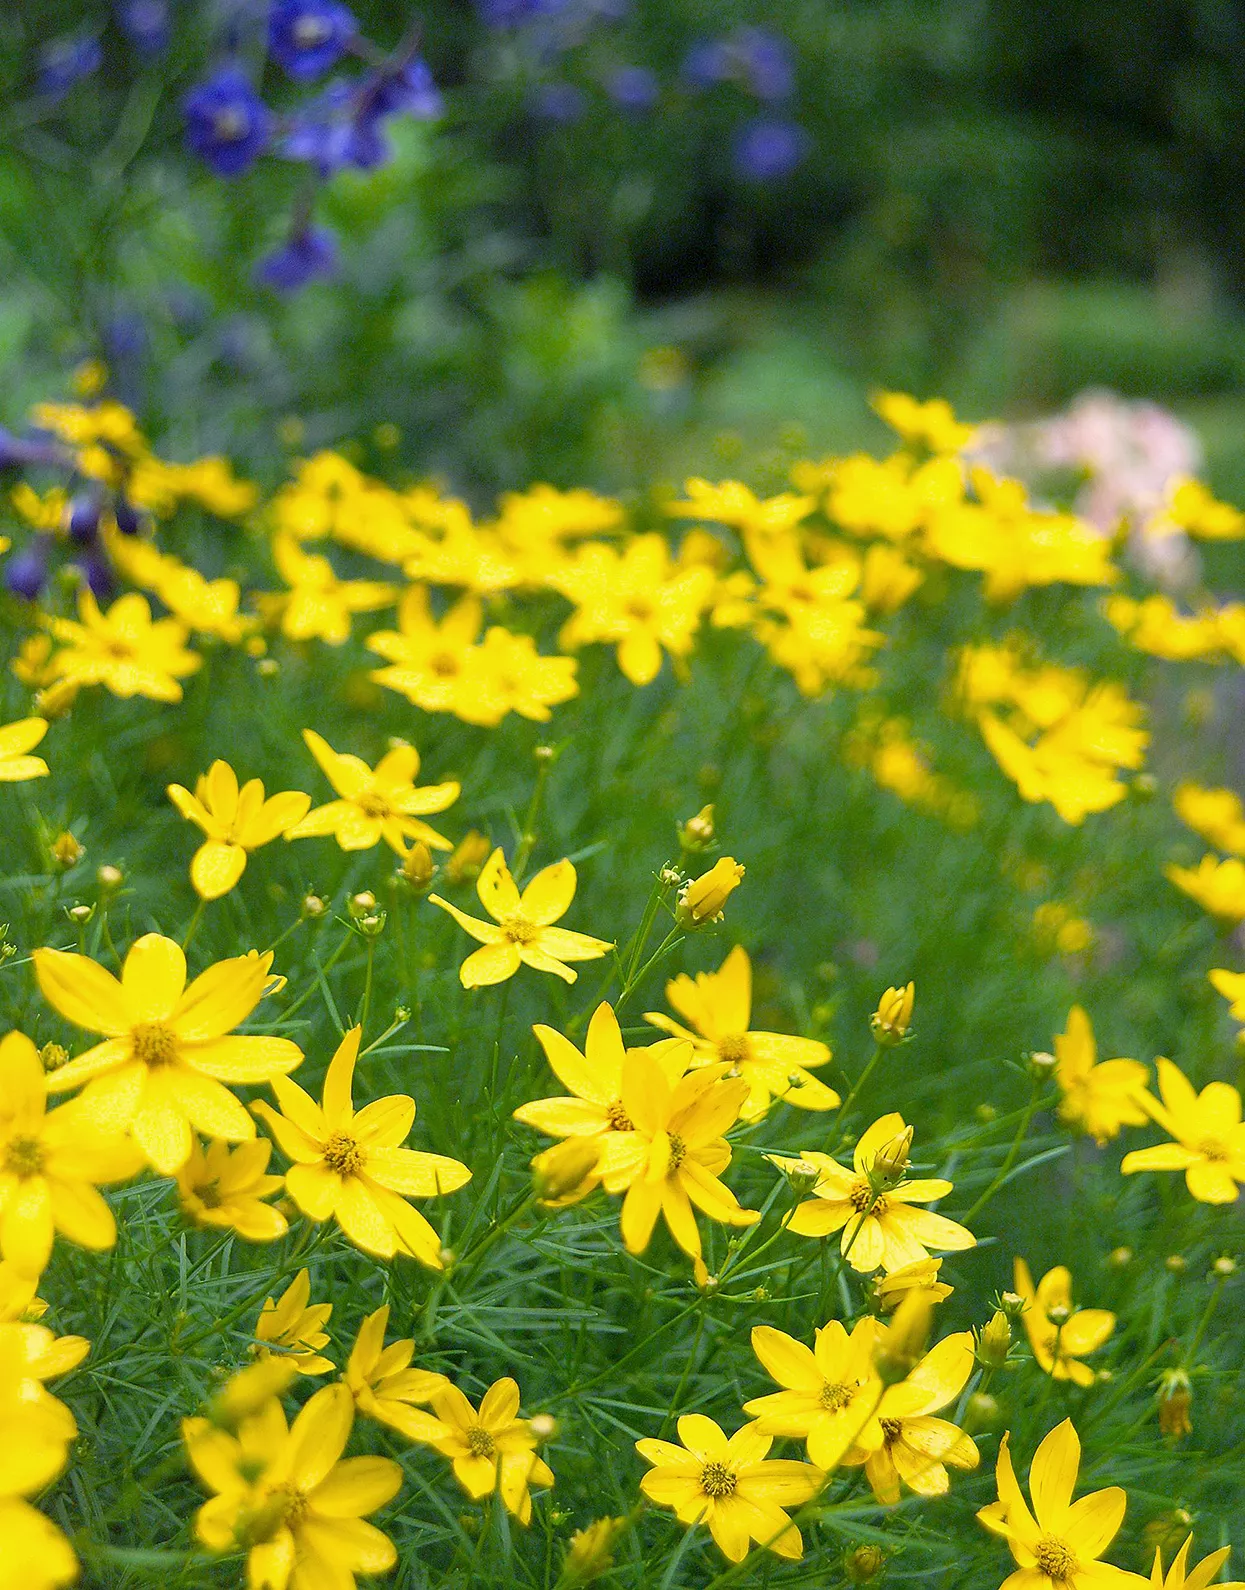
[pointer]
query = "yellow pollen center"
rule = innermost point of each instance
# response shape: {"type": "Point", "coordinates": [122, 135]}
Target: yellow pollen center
{"type": "Point", "coordinates": [480, 1443]}
{"type": "Point", "coordinates": [372, 805]}
{"type": "Point", "coordinates": [295, 1504]}
{"type": "Point", "coordinates": [519, 930]}
{"type": "Point", "coordinates": [639, 609]}
{"type": "Point", "coordinates": [861, 1197]}
{"type": "Point", "coordinates": [343, 1154]}
{"type": "Point", "coordinates": [209, 1194]}
{"type": "Point", "coordinates": [24, 1156]}
{"type": "Point", "coordinates": [1055, 1558]}
{"type": "Point", "coordinates": [718, 1480]}
{"type": "Point", "coordinates": [892, 1429]}
{"type": "Point", "coordinates": [444, 664]}
{"type": "Point", "coordinates": [835, 1395]}
{"type": "Point", "coordinates": [618, 1118]}
{"type": "Point", "coordinates": [733, 1048]}
{"type": "Point", "coordinates": [1214, 1149]}
{"type": "Point", "coordinates": [154, 1043]}
{"type": "Point", "coordinates": [678, 1153]}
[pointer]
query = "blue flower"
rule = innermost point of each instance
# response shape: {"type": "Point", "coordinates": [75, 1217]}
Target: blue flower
{"type": "Point", "coordinates": [18, 452]}
{"type": "Point", "coordinates": [145, 23]}
{"type": "Point", "coordinates": [227, 124]}
{"type": "Point", "coordinates": [507, 13]}
{"type": "Point", "coordinates": [66, 61]}
{"type": "Point", "coordinates": [408, 91]}
{"type": "Point", "coordinates": [307, 37]}
{"type": "Point", "coordinates": [334, 131]}
{"type": "Point", "coordinates": [27, 570]}
{"type": "Point", "coordinates": [707, 62]}
{"type": "Point", "coordinates": [634, 88]}
{"type": "Point", "coordinates": [768, 62]}
{"type": "Point", "coordinates": [767, 148]}
{"type": "Point", "coordinates": [308, 255]}
{"type": "Point", "coordinates": [559, 102]}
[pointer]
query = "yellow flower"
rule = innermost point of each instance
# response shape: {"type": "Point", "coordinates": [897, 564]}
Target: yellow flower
{"type": "Point", "coordinates": [285, 1495]}
{"type": "Point", "coordinates": [1216, 814]}
{"type": "Point", "coordinates": [732, 503]}
{"type": "Point", "coordinates": [1209, 1137]}
{"type": "Point", "coordinates": [236, 821]}
{"type": "Point", "coordinates": [168, 1049]}
{"type": "Point", "coordinates": [931, 425]}
{"type": "Point", "coordinates": [702, 899]}
{"type": "Point", "coordinates": [590, 1552]}
{"type": "Point", "coordinates": [671, 1159]}
{"type": "Point", "coordinates": [917, 1448]}
{"type": "Point", "coordinates": [318, 604]}
{"type": "Point", "coordinates": [37, 1426]}
{"type": "Point", "coordinates": [375, 804]}
{"type": "Point", "coordinates": [524, 933]}
{"type": "Point", "coordinates": [505, 673]}
{"type": "Point", "coordinates": [730, 1485]}
{"type": "Point", "coordinates": [832, 1392]}
{"type": "Point", "coordinates": [383, 1384]}
{"type": "Point", "coordinates": [36, 1555]}
{"type": "Point", "coordinates": [427, 657]}
{"type": "Point", "coordinates": [1060, 1335]}
{"type": "Point", "coordinates": [492, 1449]}
{"type": "Point", "coordinates": [221, 1188]}
{"type": "Point", "coordinates": [1232, 986]}
{"type": "Point", "coordinates": [1181, 1577]}
{"type": "Point", "coordinates": [1058, 1544]}
{"type": "Point", "coordinates": [922, 1276]}
{"type": "Point", "coordinates": [1098, 1097]}
{"type": "Point", "coordinates": [1217, 886]}
{"type": "Point", "coordinates": [50, 1166]}
{"type": "Point", "coordinates": [718, 1006]}
{"type": "Point", "coordinates": [566, 1173]}
{"type": "Point", "coordinates": [122, 649]}
{"type": "Point", "coordinates": [1199, 514]}
{"type": "Point", "coordinates": [872, 1205]}
{"type": "Point", "coordinates": [889, 1023]}
{"type": "Point", "coordinates": [16, 739]}
{"type": "Point", "coordinates": [295, 1326]}
{"type": "Point", "coordinates": [350, 1165]}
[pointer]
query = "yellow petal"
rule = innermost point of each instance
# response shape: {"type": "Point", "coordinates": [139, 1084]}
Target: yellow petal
{"type": "Point", "coordinates": [216, 867]}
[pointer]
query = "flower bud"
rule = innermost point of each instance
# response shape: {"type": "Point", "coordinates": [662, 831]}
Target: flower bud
{"type": "Point", "coordinates": [981, 1412]}
{"type": "Point", "coordinates": [566, 1173]}
{"type": "Point", "coordinates": [1223, 1267]}
{"type": "Point", "coordinates": [66, 850]}
{"type": "Point", "coordinates": [1059, 1314]}
{"type": "Point", "coordinates": [1119, 1257]}
{"type": "Point", "coordinates": [109, 878]}
{"type": "Point", "coordinates": [1176, 1263]}
{"type": "Point", "coordinates": [1175, 1399]}
{"type": "Point", "coordinates": [418, 867]}
{"type": "Point", "coordinates": [591, 1552]}
{"type": "Point", "coordinates": [372, 925]}
{"type": "Point", "coordinates": [1012, 1304]}
{"type": "Point", "coordinates": [1041, 1063]}
{"type": "Point", "coordinates": [993, 1341]}
{"type": "Point", "coordinates": [543, 1426]}
{"type": "Point", "coordinates": [53, 1056]}
{"type": "Point", "coordinates": [702, 899]}
{"type": "Point", "coordinates": [361, 904]}
{"type": "Point", "coordinates": [313, 906]}
{"type": "Point", "coordinates": [889, 1023]}
{"type": "Point", "coordinates": [902, 1345]}
{"type": "Point", "coordinates": [468, 856]}
{"type": "Point", "coordinates": [697, 833]}
{"type": "Point", "coordinates": [891, 1160]}
{"type": "Point", "coordinates": [864, 1565]}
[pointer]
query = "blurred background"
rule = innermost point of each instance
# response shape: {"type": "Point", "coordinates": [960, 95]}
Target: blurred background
{"type": "Point", "coordinates": [594, 241]}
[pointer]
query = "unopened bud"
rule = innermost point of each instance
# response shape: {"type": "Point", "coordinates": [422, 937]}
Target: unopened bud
{"type": "Point", "coordinates": [361, 904]}
{"type": "Point", "coordinates": [468, 856]}
{"type": "Point", "coordinates": [1175, 1399]}
{"type": "Point", "coordinates": [993, 1341]}
{"type": "Point", "coordinates": [1119, 1257]}
{"type": "Point", "coordinates": [1042, 1063]}
{"type": "Point", "coordinates": [1012, 1304]}
{"type": "Point", "coordinates": [372, 925]}
{"type": "Point", "coordinates": [543, 1426]}
{"type": "Point", "coordinates": [800, 1173]}
{"type": "Point", "coordinates": [981, 1412]}
{"type": "Point", "coordinates": [313, 906]}
{"type": "Point", "coordinates": [891, 1160]}
{"type": "Point", "coordinates": [418, 867]}
{"type": "Point", "coordinates": [702, 899]}
{"type": "Point", "coordinates": [66, 850]}
{"type": "Point", "coordinates": [267, 667]}
{"type": "Point", "coordinates": [1223, 1267]}
{"type": "Point", "coordinates": [591, 1552]}
{"type": "Point", "coordinates": [697, 833]}
{"type": "Point", "coordinates": [1176, 1263]}
{"type": "Point", "coordinates": [889, 1023]}
{"type": "Point", "coordinates": [109, 878]}
{"type": "Point", "coordinates": [864, 1564]}
{"type": "Point", "coordinates": [670, 877]}
{"type": "Point", "coordinates": [53, 1056]}
{"type": "Point", "coordinates": [566, 1173]}
{"type": "Point", "coordinates": [80, 915]}
{"type": "Point", "coordinates": [545, 753]}
{"type": "Point", "coordinates": [1059, 1314]}
{"type": "Point", "coordinates": [902, 1344]}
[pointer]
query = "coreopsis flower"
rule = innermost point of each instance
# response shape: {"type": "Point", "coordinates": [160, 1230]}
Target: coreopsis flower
{"type": "Point", "coordinates": [491, 1449]}
{"type": "Point", "coordinates": [1216, 814]}
{"type": "Point", "coordinates": [1181, 1577]}
{"type": "Point", "coordinates": [168, 1049]}
{"type": "Point", "coordinates": [872, 1204]}
{"type": "Point", "coordinates": [916, 1448]}
{"type": "Point", "coordinates": [223, 1187]}
{"type": "Point", "coordinates": [566, 1173]}
{"type": "Point", "coordinates": [930, 425]}
{"type": "Point", "coordinates": [383, 1384]}
{"type": "Point", "coordinates": [235, 821]}
{"type": "Point", "coordinates": [1200, 514]}
{"type": "Point", "coordinates": [1232, 986]}
{"type": "Point", "coordinates": [37, 1426]}
{"type": "Point", "coordinates": [17, 740]}
{"type": "Point", "coordinates": [1209, 1137]}
{"type": "Point", "coordinates": [51, 1164]}
{"type": "Point", "coordinates": [350, 1166]}
{"type": "Point", "coordinates": [1058, 1544]}
{"type": "Point", "coordinates": [1059, 1334]}
{"type": "Point", "coordinates": [375, 803]}
{"type": "Point", "coordinates": [295, 1325]}
{"type": "Point", "coordinates": [890, 1021]}
{"type": "Point", "coordinates": [505, 673]}
{"type": "Point", "coordinates": [1217, 886]}
{"type": "Point", "coordinates": [522, 931]}
{"type": "Point", "coordinates": [731, 1485]}
{"type": "Point", "coordinates": [250, 1390]}
{"type": "Point", "coordinates": [285, 1495]}
{"type": "Point", "coordinates": [36, 1555]}
{"type": "Point", "coordinates": [832, 1391]}
{"type": "Point", "coordinates": [123, 649]}
{"type": "Point", "coordinates": [730, 502]}
{"type": "Point", "coordinates": [427, 657]}
{"type": "Point", "coordinates": [702, 899]}
{"type": "Point", "coordinates": [718, 1006]}
{"type": "Point", "coordinates": [1099, 1097]}
{"type": "Point", "coordinates": [922, 1276]}
{"type": "Point", "coordinates": [318, 605]}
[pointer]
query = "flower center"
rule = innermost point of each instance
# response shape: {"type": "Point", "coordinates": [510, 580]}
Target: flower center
{"type": "Point", "coordinates": [154, 1043]}
{"type": "Point", "coordinates": [678, 1153]}
{"type": "Point", "coordinates": [310, 31]}
{"type": "Point", "coordinates": [480, 1443]}
{"type": "Point", "coordinates": [519, 930]}
{"type": "Point", "coordinates": [343, 1154]}
{"type": "Point", "coordinates": [24, 1156]}
{"type": "Point", "coordinates": [642, 610]}
{"type": "Point", "coordinates": [718, 1480]}
{"type": "Point", "coordinates": [1055, 1558]}
{"type": "Point", "coordinates": [734, 1048]}
{"type": "Point", "coordinates": [862, 1197]}
{"type": "Point", "coordinates": [835, 1395]}
{"type": "Point", "coordinates": [1213, 1149]}
{"type": "Point", "coordinates": [618, 1118]}
{"type": "Point", "coordinates": [372, 805]}
{"type": "Point", "coordinates": [231, 124]}
{"type": "Point", "coordinates": [892, 1429]}
{"type": "Point", "coordinates": [295, 1505]}
{"type": "Point", "coordinates": [209, 1194]}
{"type": "Point", "coordinates": [444, 664]}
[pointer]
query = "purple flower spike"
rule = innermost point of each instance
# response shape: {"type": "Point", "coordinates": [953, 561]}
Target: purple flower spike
{"type": "Point", "coordinates": [227, 124]}
{"type": "Point", "coordinates": [309, 255]}
{"type": "Point", "coordinates": [27, 570]}
{"type": "Point", "coordinates": [307, 37]}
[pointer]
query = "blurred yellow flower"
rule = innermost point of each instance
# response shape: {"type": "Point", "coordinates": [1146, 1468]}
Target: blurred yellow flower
{"type": "Point", "coordinates": [1209, 1136]}
{"type": "Point", "coordinates": [1216, 814]}
{"type": "Point", "coordinates": [123, 649]}
{"type": "Point", "coordinates": [1059, 1334]}
{"type": "Point", "coordinates": [16, 741]}
{"type": "Point", "coordinates": [1099, 1097]}
{"type": "Point", "coordinates": [1217, 886]}
{"type": "Point", "coordinates": [294, 1324]}
{"type": "Point", "coordinates": [931, 425]}
{"type": "Point", "coordinates": [318, 605]}
{"type": "Point", "coordinates": [374, 804]}
{"type": "Point", "coordinates": [236, 821]}
{"type": "Point", "coordinates": [703, 899]}
{"type": "Point", "coordinates": [492, 1449]}
{"type": "Point", "coordinates": [224, 1188]}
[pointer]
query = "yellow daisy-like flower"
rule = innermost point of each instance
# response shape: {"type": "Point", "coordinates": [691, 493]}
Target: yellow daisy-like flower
{"type": "Point", "coordinates": [427, 657]}
{"type": "Point", "coordinates": [717, 1005]}
{"type": "Point", "coordinates": [730, 1485]}
{"type": "Point", "coordinates": [492, 1449]}
{"type": "Point", "coordinates": [1217, 886]}
{"type": "Point", "coordinates": [831, 1392]}
{"type": "Point", "coordinates": [1060, 1335]}
{"type": "Point", "coordinates": [38, 1427]}
{"type": "Point", "coordinates": [350, 1166]}
{"type": "Point", "coordinates": [36, 1555]}
{"type": "Point", "coordinates": [123, 649]}
{"type": "Point", "coordinates": [295, 1324]}
{"type": "Point", "coordinates": [168, 1049]}
{"type": "Point", "coordinates": [1209, 1136]}
{"type": "Point", "coordinates": [50, 1166]}
{"type": "Point", "coordinates": [225, 1188]}
{"type": "Point", "coordinates": [16, 741]}
{"type": "Point", "coordinates": [1099, 1096]}
{"type": "Point", "coordinates": [522, 931]}
{"type": "Point", "coordinates": [1181, 1577]}
{"type": "Point", "coordinates": [1232, 986]}
{"type": "Point", "coordinates": [287, 1496]}
{"type": "Point", "coordinates": [375, 803]}
{"type": "Point", "coordinates": [385, 1387]}
{"type": "Point", "coordinates": [236, 821]}
{"type": "Point", "coordinates": [917, 1449]}
{"type": "Point", "coordinates": [1216, 814]}
{"type": "Point", "coordinates": [1058, 1544]}
{"type": "Point", "coordinates": [890, 1290]}
{"type": "Point", "coordinates": [872, 1203]}
{"type": "Point", "coordinates": [318, 605]}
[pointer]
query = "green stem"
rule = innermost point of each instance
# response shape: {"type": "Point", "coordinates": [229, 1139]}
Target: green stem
{"type": "Point", "coordinates": [367, 984]}
{"type": "Point", "coordinates": [1203, 1323]}
{"type": "Point", "coordinates": [527, 840]}
{"type": "Point", "coordinates": [1013, 1152]}
{"type": "Point", "coordinates": [860, 1082]}
{"type": "Point", "coordinates": [314, 985]}
{"type": "Point", "coordinates": [194, 923]}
